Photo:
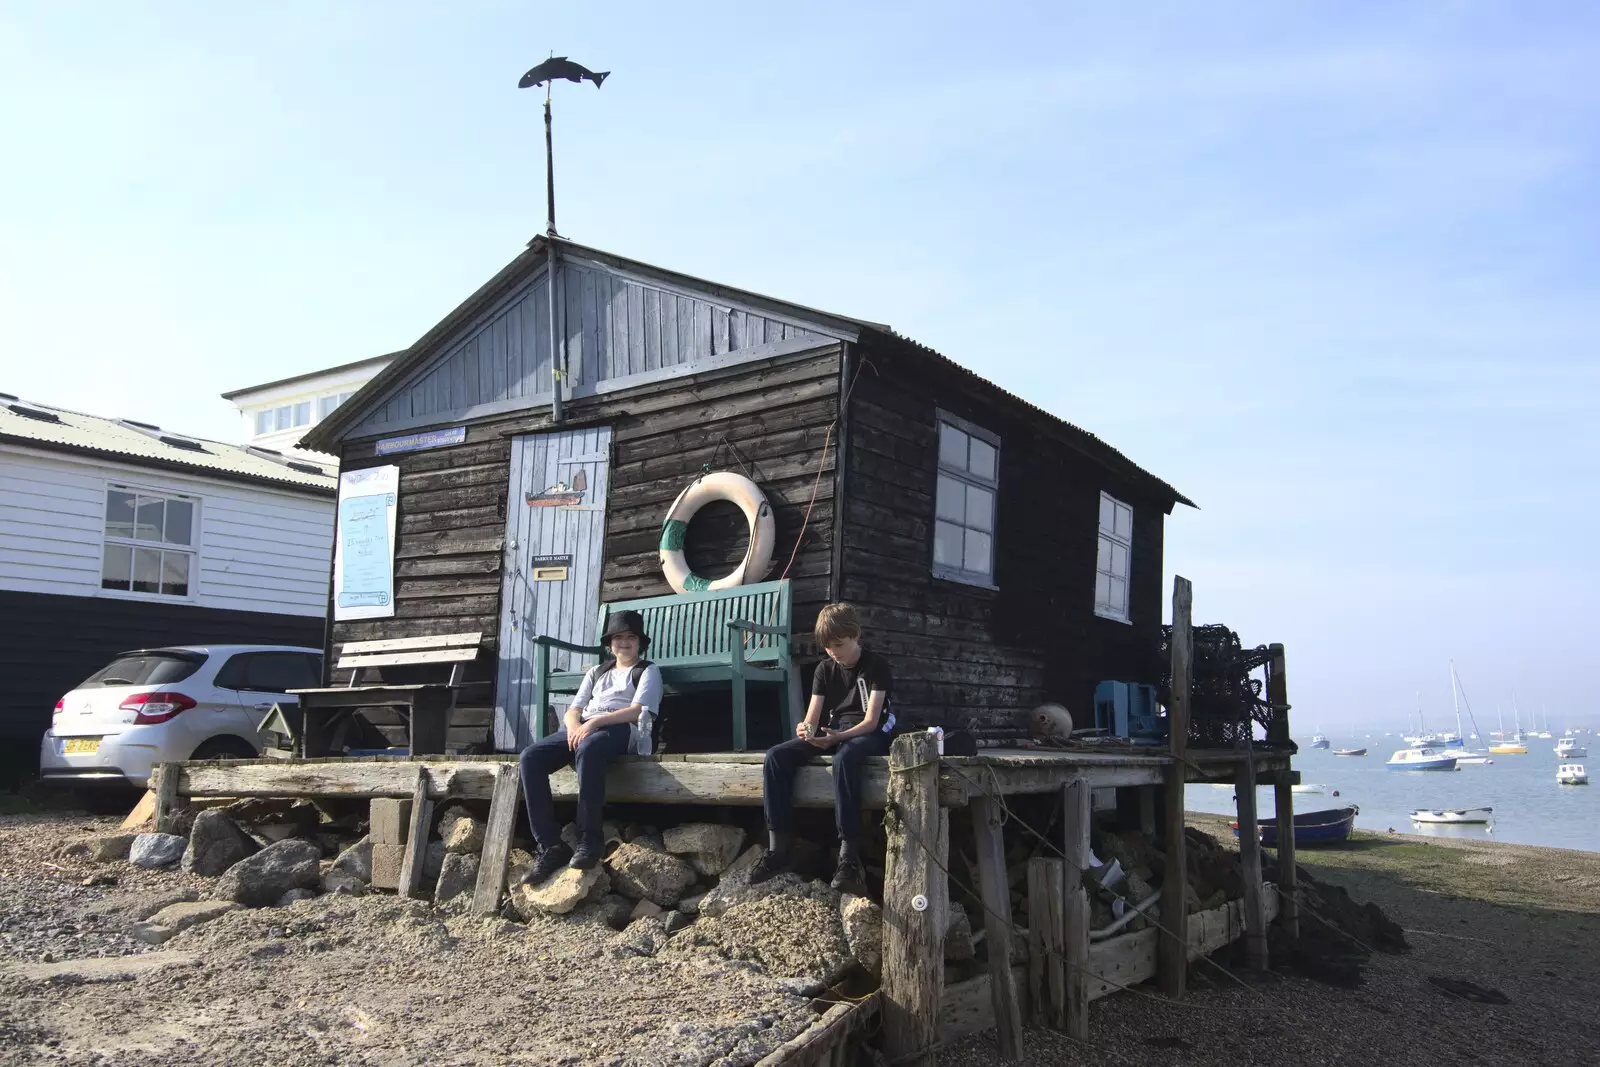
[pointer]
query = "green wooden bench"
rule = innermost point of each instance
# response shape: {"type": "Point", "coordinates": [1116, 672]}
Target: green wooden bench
{"type": "Point", "coordinates": [735, 637]}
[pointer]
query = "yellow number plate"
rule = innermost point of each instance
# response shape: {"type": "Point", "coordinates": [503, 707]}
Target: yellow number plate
{"type": "Point", "coordinates": [82, 746]}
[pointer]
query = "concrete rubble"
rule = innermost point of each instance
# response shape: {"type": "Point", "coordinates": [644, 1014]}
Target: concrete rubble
{"type": "Point", "coordinates": [215, 844]}
{"type": "Point", "coordinates": [260, 880]}
{"type": "Point", "coordinates": [641, 871]}
{"type": "Point", "coordinates": [156, 850]}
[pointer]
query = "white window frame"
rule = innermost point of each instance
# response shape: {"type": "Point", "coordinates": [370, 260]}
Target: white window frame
{"type": "Point", "coordinates": [1106, 576]}
{"type": "Point", "coordinates": [984, 580]}
{"type": "Point", "coordinates": [192, 549]}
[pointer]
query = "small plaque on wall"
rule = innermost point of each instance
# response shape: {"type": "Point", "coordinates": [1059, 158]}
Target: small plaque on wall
{"type": "Point", "coordinates": [550, 568]}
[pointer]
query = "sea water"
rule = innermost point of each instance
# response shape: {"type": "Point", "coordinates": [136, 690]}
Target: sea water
{"type": "Point", "coordinates": [1529, 807]}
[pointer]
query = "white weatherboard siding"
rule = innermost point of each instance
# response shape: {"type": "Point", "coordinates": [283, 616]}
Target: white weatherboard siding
{"type": "Point", "coordinates": [259, 548]}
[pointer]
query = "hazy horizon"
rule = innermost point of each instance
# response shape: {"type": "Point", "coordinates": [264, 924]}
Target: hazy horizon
{"type": "Point", "coordinates": [1329, 271]}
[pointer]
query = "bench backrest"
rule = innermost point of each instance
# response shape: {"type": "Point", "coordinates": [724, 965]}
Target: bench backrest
{"type": "Point", "coordinates": [401, 651]}
{"type": "Point", "coordinates": [695, 625]}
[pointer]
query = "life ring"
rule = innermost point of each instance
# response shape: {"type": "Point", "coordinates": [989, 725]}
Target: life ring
{"type": "Point", "coordinates": [723, 485]}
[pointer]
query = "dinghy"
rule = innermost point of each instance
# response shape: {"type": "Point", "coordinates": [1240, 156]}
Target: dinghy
{"type": "Point", "coordinates": [1311, 827]}
{"type": "Point", "coordinates": [1349, 752]}
{"type": "Point", "coordinates": [1454, 816]}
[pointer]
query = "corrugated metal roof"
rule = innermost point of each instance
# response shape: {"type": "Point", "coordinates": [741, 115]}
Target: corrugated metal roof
{"type": "Point", "coordinates": [58, 429]}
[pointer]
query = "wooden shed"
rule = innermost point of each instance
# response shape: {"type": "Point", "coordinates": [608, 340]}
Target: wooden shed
{"type": "Point", "coordinates": [1000, 555]}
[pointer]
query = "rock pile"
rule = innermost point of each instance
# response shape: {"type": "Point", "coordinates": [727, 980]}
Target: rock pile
{"type": "Point", "coordinates": [678, 893]}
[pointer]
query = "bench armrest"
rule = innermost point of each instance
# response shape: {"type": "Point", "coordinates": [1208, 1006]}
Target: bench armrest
{"type": "Point", "coordinates": [556, 642]}
{"type": "Point", "coordinates": [756, 628]}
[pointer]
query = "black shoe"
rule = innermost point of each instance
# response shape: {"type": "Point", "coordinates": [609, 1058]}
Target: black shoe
{"type": "Point", "coordinates": [585, 857]}
{"type": "Point", "coordinates": [771, 863]}
{"type": "Point", "coordinates": [549, 862]}
{"type": "Point", "coordinates": [849, 877]}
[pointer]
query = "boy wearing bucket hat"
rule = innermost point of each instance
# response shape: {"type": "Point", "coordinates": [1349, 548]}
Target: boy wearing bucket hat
{"type": "Point", "coordinates": [599, 724]}
{"type": "Point", "coordinates": [849, 719]}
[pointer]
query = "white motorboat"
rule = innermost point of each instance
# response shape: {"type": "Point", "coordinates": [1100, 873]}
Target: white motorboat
{"type": "Point", "coordinates": [1571, 774]}
{"type": "Point", "coordinates": [1421, 759]}
{"type": "Point", "coordinates": [1320, 741]}
{"type": "Point", "coordinates": [1454, 816]}
{"type": "Point", "coordinates": [1569, 748]}
{"type": "Point", "coordinates": [1464, 757]}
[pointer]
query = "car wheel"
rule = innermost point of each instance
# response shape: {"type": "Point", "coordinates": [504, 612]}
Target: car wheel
{"type": "Point", "coordinates": [225, 748]}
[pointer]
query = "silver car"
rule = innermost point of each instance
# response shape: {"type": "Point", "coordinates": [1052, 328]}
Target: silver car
{"type": "Point", "coordinates": [158, 704]}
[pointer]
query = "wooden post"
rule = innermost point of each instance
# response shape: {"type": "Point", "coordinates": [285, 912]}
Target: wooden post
{"type": "Point", "coordinates": [1172, 956]}
{"type": "Point", "coordinates": [996, 895]}
{"type": "Point", "coordinates": [1075, 906]}
{"type": "Point", "coordinates": [1047, 986]}
{"type": "Point", "coordinates": [916, 902]}
{"type": "Point", "coordinates": [167, 799]}
{"type": "Point", "coordinates": [497, 840]}
{"type": "Point", "coordinates": [1255, 916]}
{"type": "Point", "coordinates": [1283, 797]}
{"type": "Point", "coordinates": [416, 838]}
{"type": "Point", "coordinates": [1147, 810]}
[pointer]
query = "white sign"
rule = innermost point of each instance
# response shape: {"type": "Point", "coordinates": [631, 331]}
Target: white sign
{"type": "Point", "coordinates": [363, 547]}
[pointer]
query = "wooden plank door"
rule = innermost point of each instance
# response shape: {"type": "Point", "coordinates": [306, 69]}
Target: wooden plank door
{"type": "Point", "coordinates": [555, 537]}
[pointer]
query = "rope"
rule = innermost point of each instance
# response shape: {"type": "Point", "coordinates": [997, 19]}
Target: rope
{"type": "Point", "coordinates": [822, 463]}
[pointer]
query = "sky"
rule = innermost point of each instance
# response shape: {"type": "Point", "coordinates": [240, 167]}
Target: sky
{"type": "Point", "coordinates": [1330, 269]}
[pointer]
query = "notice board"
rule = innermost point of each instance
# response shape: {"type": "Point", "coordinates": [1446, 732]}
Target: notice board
{"type": "Point", "coordinates": [363, 547]}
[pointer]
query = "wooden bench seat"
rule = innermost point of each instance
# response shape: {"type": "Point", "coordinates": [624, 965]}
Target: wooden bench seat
{"type": "Point", "coordinates": [328, 711]}
{"type": "Point", "coordinates": [728, 637]}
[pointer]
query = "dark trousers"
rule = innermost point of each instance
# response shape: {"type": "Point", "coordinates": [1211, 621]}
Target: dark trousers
{"type": "Point", "coordinates": [784, 761]}
{"type": "Point", "coordinates": [545, 757]}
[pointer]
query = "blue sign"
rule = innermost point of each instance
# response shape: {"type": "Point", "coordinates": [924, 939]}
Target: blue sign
{"type": "Point", "coordinates": [416, 442]}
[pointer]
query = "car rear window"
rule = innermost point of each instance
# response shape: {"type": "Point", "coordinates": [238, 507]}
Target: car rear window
{"type": "Point", "coordinates": [144, 668]}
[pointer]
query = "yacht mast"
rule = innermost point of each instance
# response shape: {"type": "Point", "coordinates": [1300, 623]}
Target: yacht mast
{"type": "Point", "coordinates": [1455, 698]}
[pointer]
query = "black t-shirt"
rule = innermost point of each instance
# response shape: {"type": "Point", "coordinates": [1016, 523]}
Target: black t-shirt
{"type": "Point", "coordinates": [845, 690]}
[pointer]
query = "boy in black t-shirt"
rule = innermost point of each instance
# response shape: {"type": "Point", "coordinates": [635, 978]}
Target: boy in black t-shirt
{"type": "Point", "coordinates": [849, 718]}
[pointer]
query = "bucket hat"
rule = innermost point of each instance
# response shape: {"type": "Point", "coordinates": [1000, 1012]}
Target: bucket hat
{"type": "Point", "coordinates": [625, 622]}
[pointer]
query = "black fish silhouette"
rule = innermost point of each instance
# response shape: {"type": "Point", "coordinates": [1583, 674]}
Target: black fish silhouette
{"type": "Point", "coordinates": [560, 67]}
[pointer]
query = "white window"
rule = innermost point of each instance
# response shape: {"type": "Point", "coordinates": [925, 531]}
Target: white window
{"type": "Point", "coordinates": [964, 504]}
{"type": "Point", "coordinates": [1114, 560]}
{"type": "Point", "coordinates": [149, 542]}
{"type": "Point", "coordinates": [302, 413]}
{"type": "Point", "coordinates": [263, 422]}
{"type": "Point", "coordinates": [327, 405]}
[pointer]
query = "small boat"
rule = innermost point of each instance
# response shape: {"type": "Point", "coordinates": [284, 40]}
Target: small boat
{"type": "Point", "coordinates": [1571, 774]}
{"type": "Point", "coordinates": [1311, 827]}
{"type": "Point", "coordinates": [1454, 816]}
{"type": "Point", "coordinates": [1421, 759]}
{"type": "Point", "coordinates": [1320, 742]}
{"type": "Point", "coordinates": [1569, 748]}
{"type": "Point", "coordinates": [1349, 752]}
{"type": "Point", "coordinates": [1464, 757]}
{"type": "Point", "coordinates": [1514, 747]}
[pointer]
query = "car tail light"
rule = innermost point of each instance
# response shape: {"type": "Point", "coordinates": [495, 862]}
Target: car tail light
{"type": "Point", "coordinates": [156, 707]}
{"type": "Point", "coordinates": [61, 705]}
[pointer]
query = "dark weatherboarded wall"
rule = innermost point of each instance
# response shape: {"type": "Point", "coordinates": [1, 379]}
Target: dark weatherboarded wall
{"type": "Point", "coordinates": [768, 418]}
{"type": "Point", "coordinates": [48, 644]}
{"type": "Point", "coordinates": [961, 652]}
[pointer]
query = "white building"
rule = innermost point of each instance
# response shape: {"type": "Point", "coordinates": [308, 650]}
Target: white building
{"type": "Point", "coordinates": [276, 415]}
{"type": "Point", "coordinates": [116, 534]}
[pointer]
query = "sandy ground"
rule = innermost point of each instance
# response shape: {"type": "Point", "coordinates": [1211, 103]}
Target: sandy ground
{"type": "Point", "coordinates": [1521, 920]}
{"type": "Point", "coordinates": [382, 981]}
{"type": "Point", "coordinates": [374, 980]}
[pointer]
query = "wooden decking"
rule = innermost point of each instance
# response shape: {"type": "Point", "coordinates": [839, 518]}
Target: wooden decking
{"type": "Point", "coordinates": [724, 778]}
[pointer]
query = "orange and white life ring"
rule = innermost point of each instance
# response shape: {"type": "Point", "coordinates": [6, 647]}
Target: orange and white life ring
{"type": "Point", "coordinates": [723, 485]}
